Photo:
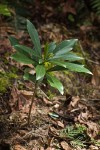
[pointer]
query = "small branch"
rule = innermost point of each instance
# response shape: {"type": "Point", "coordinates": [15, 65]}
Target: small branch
{"type": "Point", "coordinates": [30, 108]}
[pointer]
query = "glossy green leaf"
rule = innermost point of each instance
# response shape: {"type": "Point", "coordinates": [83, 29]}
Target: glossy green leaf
{"type": "Point", "coordinates": [56, 68]}
{"type": "Point", "coordinates": [36, 60]}
{"type": "Point", "coordinates": [22, 49]}
{"type": "Point", "coordinates": [65, 46]}
{"type": "Point", "coordinates": [48, 50]}
{"type": "Point", "coordinates": [40, 61]}
{"type": "Point", "coordinates": [72, 66]}
{"type": "Point", "coordinates": [34, 37]}
{"type": "Point", "coordinates": [13, 41]}
{"type": "Point", "coordinates": [54, 82]}
{"type": "Point", "coordinates": [59, 63]}
{"type": "Point", "coordinates": [51, 47]}
{"type": "Point", "coordinates": [28, 76]}
{"type": "Point", "coordinates": [67, 56]}
{"type": "Point", "coordinates": [4, 10]}
{"type": "Point", "coordinates": [22, 58]}
{"type": "Point", "coordinates": [45, 51]}
{"type": "Point", "coordinates": [64, 51]}
{"type": "Point", "coordinates": [40, 72]}
{"type": "Point", "coordinates": [53, 115]}
{"type": "Point", "coordinates": [77, 68]}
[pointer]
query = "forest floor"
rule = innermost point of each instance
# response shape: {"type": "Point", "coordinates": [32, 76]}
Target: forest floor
{"type": "Point", "coordinates": [68, 122]}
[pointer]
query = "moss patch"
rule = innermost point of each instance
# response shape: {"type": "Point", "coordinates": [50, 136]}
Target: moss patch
{"type": "Point", "coordinates": [6, 80]}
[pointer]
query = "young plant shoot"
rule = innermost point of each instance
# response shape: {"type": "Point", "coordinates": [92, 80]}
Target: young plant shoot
{"type": "Point", "coordinates": [54, 57]}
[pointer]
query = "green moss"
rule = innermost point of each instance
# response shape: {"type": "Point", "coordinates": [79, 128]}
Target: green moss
{"type": "Point", "coordinates": [12, 75]}
{"type": "Point", "coordinates": [4, 83]}
{"type": "Point", "coordinates": [50, 94]}
{"type": "Point", "coordinates": [13, 69]}
{"type": "Point", "coordinates": [5, 80]}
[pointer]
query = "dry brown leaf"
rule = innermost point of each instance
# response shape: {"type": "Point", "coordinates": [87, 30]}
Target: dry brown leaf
{"type": "Point", "coordinates": [92, 147]}
{"type": "Point", "coordinates": [14, 93]}
{"type": "Point", "coordinates": [93, 129]}
{"type": "Point", "coordinates": [24, 92]}
{"type": "Point", "coordinates": [83, 117]}
{"type": "Point", "coordinates": [75, 100]}
{"type": "Point", "coordinates": [67, 8]}
{"type": "Point", "coordinates": [60, 124]}
{"type": "Point", "coordinates": [16, 103]}
{"type": "Point", "coordinates": [35, 148]}
{"type": "Point", "coordinates": [65, 146]}
{"type": "Point", "coordinates": [41, 148]}
{"type": "Point", "coordinates": [54, 131]}
{"type": "Point", "coordinates": [19, 147]}
{"type": "Point", "coordinates": [28, 65]}
{"type": "Point", "coordinates": [50, 148]}
{"type": "Point", "coordinates": [56, 106]}
{"type": "Point", "coordinates": [47, 101]}
{"type": "Point", "coordinates": [86, 28]}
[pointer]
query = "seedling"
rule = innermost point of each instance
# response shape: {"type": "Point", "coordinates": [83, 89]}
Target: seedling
{"type": "Point", "coordinates": [55, 57]}
{"type": "Point", "coordinates": [76, 135]}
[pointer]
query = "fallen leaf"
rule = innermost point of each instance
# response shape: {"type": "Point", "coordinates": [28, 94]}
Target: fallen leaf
{"type": "Point", "coordinates": [56, 106]}
{"type": "Point", "coordinates": [60, 124]}
{"type": "Point", "coordinates": [83, 117]}
{"type": "Point", "coordinates": [75, 100]}
{"type": "Point", "coordinates": [24, 92]}
{"type": "Point", "coordinates": [92, 129]}
{"type": "Point", "coordinates": [67, 8]}
{"type": "Point", "coordinates": [50, 148]}
{"type": "Point", "coordinates": [54, 131]}
{"type": "Point", "coordinates": [19, 147]}
{"type": "Point", "coordinates": [65, 145]}
{"type": "Point", "coordinates": [92, 147]}
{"type": "Point", "coordinates": [41, 148]}
{"type": "Point", "coordinates": [47, 101]}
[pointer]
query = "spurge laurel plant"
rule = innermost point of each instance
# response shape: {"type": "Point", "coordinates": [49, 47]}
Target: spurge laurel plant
{"type": "Point", "coordinates": [55, 57]}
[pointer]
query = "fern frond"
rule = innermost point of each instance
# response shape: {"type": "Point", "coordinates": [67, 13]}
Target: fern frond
{"type": "Point", "coordinates": [96, 5]}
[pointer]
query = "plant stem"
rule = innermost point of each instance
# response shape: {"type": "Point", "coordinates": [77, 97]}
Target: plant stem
{"type": "Point", "coordinates": [30, 108]}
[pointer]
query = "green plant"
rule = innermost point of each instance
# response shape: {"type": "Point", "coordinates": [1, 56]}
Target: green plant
{"type": "Point", "coordinates": [53, 58]}
{"type": "Point", "coordinates": [96, 5]}
{"type": "Point", "coordinates": [76, 134]}
{"type": "Point", "coordinates": [78, 144]}
{"type": "Point", "coordinates": [5, 80]}
{"type": "Point", "coordinates": [72, 132]}
{"type": "Point", "coordinates": [95, 142]}
{"type": "Point", "coordinates": [4, 10]}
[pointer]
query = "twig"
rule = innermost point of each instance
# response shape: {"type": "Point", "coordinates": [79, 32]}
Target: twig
{"type": "Point", "coordinates": [30, 108]}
